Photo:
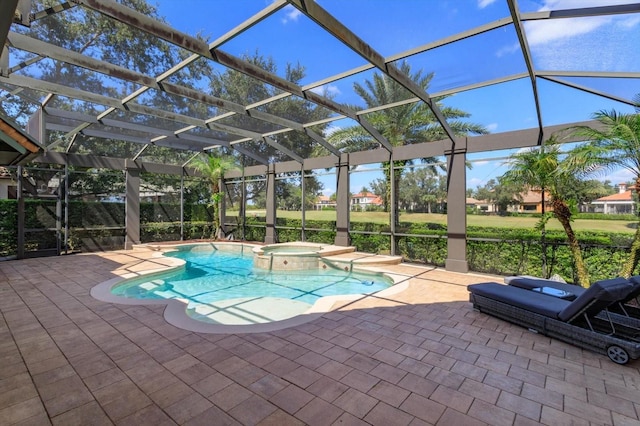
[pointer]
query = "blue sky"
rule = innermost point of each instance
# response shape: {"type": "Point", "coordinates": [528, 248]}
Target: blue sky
{"type": "Point", "coordinates": [588, 44]}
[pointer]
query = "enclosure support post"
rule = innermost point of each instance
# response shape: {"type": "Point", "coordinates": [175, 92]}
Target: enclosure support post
{"type": "Point", "coordinates": [221, 232]}
{"type": "Point", "coordinates": [59, 202]}
{"type": "Point", "coordinates": [457, 207]}
{"type": "Point", "coordinates": [66, 208]}
{"type": "Point", "coordinates": [270, 235]}
{"type": "Point", "coordinates": [342, 201]}
{"type": "Point", "coordinates": [132, 207]}
{"type": "Point", "coordinates": [182, 205]}
{"type": "Point", "coordinates": [243, 204]}
{"type": "Point", "coordinates": [302, 206]}
{"type": "Point", "coordinates": [20, 195]}
{"type": "Point", "coordinates": [394, 206]}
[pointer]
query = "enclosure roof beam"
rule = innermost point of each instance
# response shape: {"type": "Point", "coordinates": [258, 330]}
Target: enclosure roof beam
{"type": "Point", "coordinates": [287, 151]}
{"type": "Point", "coordinates": [136, 19]}
{"type": "Point", "coordinates": [7, 14]}
{"type": "Point", "coordinates": [141, 109]}
{"type": "Point", "coordinates": [167, 133]}
{"type": "Point", "coordinates": [165, 32]}
{"type": "Point", "coordinates": [583, 12]}
{"type": "Point", "coordinates": [254, 71]}
{"type": "Point", "coordinates": [29, 44]}
{"type": "Point", "coordinates": [350, 39]}
{"type": "Point", "coordinates": [178, 143]}
{"type": "Point", "coordinates": [592, 91]}
{"type": "Point", "coordinates": [56, 8]}
{"type": "Point", "coordinates": [250, 154]}
{"type": "Point", "coordinates": [524, 46]}
{"type": "Point", "coordinates": [141, 21]}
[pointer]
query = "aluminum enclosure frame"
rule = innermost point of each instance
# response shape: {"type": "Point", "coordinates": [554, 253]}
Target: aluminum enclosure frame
{"type": "Point", "coordinates": [453, 148]}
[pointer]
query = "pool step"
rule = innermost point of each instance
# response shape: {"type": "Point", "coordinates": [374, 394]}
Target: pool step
{"type": "Point", "coordinates": [359, 258]}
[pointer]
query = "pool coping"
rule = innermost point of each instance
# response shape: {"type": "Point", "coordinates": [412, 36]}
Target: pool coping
{"type": "Point", "coordinates": [175, 310]}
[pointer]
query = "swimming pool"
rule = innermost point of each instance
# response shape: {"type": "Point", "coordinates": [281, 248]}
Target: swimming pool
{"type": "Point", "coordinates": [222, 286]}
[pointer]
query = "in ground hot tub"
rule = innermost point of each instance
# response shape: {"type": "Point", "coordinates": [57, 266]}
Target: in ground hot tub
{"type": "Point", "coordinates": [294, 256]}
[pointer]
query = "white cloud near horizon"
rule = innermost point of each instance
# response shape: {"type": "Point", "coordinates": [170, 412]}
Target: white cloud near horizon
{"type": "Point", "coordinates": [619, 176]}
{"type": "Point", "coordinates": [492, 127]}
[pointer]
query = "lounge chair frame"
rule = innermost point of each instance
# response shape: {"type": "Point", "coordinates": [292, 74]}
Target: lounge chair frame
{"type": "Point", "coordinates": [620, 343]}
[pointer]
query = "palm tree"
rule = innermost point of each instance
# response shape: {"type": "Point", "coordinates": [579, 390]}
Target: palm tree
{"type": "Point", "coordinates": [404, 124]}
{"type": "Point", "coordinates": [615, 145]}
{"type": "Point", "coordinates": [213, 169]}
{"type": "Point", "coordinates": [543, 169]}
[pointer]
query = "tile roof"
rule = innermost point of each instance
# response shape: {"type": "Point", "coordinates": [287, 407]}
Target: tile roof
{"type": "Point", "coordinates": [621, 196]}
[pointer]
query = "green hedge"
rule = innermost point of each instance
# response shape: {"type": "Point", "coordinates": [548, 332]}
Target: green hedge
{"type": "Point", "coordinates": [602, 216]}
{"type": "Point", "coordinates": [100, 226]}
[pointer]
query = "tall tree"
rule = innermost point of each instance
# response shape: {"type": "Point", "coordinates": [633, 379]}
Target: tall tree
{"type": "Point", "coordinates": [241, 88]}
{"type": "Point", "coordinates": [84, 31]}
{"type": "Point", "coordinates": [542, 168]}
{"type": "Point", "coordinates": [419, 189]}
{"type": "Point", "coordinates": [616, 144]}
{"type": "Point", "coordinates": [213, 168]}
{"type": "Point", "coordinates": [401, 125]}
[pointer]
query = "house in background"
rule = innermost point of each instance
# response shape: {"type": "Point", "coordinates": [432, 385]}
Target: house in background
{"type": "Point", "coordinates": [324, 201]}
{"type": "Point", "coordinates": [480, 206]}
{"type": "Point", "coordinates": [531, 202]}
{"type": "Point", "coordinates": [620, 203]}
{"type": "Point", "coordinates": [362, 200]}
{"type": "Point", "coordinates": [8, 186]}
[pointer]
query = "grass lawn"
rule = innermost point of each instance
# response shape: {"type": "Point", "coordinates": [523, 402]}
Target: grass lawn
{"type": "Point", "coordinates": [472, 220]}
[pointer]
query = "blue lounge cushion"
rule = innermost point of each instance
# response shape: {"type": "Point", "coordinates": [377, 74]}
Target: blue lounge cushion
{"type": "Point", "coordinates": [521, 298]}
{"type": "Point", "coordinates": [532, 282]}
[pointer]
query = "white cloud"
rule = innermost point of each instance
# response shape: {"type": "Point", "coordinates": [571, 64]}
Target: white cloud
{"type": "Point", "coordinates": [492, 127]}
{"type": "Point", "coordinates": [480, 163]}
{"type": "Point", "coordinates": [542, 32]}
{"type": "Point", "coordinates": [292, 14]}
{"type": "Point", "coordinates": [619, 176]}
{"type": "Point", "coordinates": [328, 90]}
{"type": "Point", "coordinates": [331, 129]}
{"type": "Point", "coordinates": [508, 50]}
{"type": "Point", "coordinates": [577, 4]}
{"type": "Point", "coordinates": [630, 22]}
{"type": "Point", "coordinates": [484, 3]}
{"type": "Point", "coordinates": [328, 191]}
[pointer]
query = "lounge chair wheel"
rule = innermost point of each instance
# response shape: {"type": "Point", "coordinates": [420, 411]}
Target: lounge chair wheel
{"type": "Point", "coordinates": [617, 354]}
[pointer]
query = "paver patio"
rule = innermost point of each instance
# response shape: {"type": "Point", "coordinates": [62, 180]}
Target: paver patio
{"type": "Point", "coordinates": [422, 356]}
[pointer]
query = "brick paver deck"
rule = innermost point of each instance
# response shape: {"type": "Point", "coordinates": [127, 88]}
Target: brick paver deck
{"type": "Point", "coordinates": [422, 356]}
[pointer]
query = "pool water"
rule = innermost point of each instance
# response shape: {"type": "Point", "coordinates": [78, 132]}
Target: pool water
{"type": "Point", "coordinates": [213, 278]}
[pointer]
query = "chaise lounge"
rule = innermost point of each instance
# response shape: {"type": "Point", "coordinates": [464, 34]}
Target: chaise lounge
{"type": "Point", "coordinates": [571, 291]}
{"type": "Point", "coordinates": [576, 322]}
